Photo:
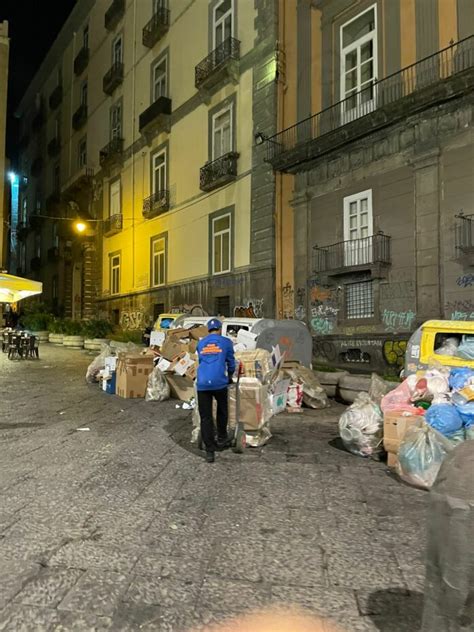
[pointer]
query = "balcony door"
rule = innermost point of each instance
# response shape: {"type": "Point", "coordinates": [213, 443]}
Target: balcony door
{"type": "Point", "coordinates": [223, 26]}
{"type": "Point", "coordinates": [359, 65]}
{"type": "Point", "coordinates": [117, 51]}
{"type": "Point", "coordinates": [358, 229]}
{"type": "Point", "coordinates": [159, 175]}
{"type": "Point", "coordinates": [221, 133]}
{"type": "Point", "coordinates": [116, 121]}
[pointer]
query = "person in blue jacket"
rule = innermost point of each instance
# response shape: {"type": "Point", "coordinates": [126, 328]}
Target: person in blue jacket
{"type": "Point", "coordinates": [215, 370]}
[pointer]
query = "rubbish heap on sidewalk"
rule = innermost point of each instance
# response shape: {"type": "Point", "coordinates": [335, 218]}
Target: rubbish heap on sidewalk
{"type": "Point", "coordinates": [418, 423]}
{"type": "Point", "coordinates": [269, 384]}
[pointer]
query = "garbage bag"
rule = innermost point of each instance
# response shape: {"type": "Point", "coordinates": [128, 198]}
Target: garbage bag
{"type": "Point", "coordinates": [466, 348]}
{"type": "Point", "coordinates": [466, 413]}
{"type": "Point", "coordinates": [361, 427]}
{"type": "Point", "coordinates": [295, 395]}
{"type": "Point", "coordinates": [158, 389]}
{"type": "Point", "coordinates": [460, 377]}
{"type": "Point", "coordinates": [421, 454]}
{"type": "Point", "coordinates": [97, 364]}
{"type": "Point", "coordinates": [378, 388]}
{"type": "Point", "coordinates": [399, 400]}
{"type": "Point", "coordinates": [314, 395]}
{"type": "Point", "coordinates": [449, 347]}
{"type": "Point", "coordinates": [445, 418]}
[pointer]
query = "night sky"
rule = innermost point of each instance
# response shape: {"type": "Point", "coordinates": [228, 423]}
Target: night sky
{"type": "Point", "coordinates": [33, 26]}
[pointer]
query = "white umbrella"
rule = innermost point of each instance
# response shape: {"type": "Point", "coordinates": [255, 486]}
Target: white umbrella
{"type": "Point", "coordinates": [14, 289]}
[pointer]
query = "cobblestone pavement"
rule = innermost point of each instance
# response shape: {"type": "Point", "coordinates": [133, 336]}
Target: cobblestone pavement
{"type": "Point", "coordinates": [125, 527]}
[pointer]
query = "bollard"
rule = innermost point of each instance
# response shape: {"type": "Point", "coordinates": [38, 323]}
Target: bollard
{"type": "Point", "coordinates": [449, 585]}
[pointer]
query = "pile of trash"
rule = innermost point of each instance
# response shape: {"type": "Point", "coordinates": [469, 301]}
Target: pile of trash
{"type": "Point", "coordinates": [417, 423]}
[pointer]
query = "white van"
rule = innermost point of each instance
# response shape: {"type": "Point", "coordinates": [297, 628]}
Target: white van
{"type": "Point", "coordinates": [230, 326]}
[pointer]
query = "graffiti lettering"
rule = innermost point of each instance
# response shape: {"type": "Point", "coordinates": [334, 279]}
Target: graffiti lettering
{"type": "Point", "coordinates": [194, 310]}
{"type": "Point", "coordinates": [322, 326]}
{"type": "Point", "coordinates": [460, 310]}
{"type": "Point", "coordinates": [324, 349]}
{"type": "Point", "coordinates": [398, 320]}
{"type": "Point", "coordinates": [467, 280]}
{"type": "Point", "coordinates": [319, 293]}
{"type": "Point", "coordinates": [324, 310]}
{"type": "Point", "coordinates": [253, 308]}
{"type": "Point", "coordinates": [132, 320]}
{"type": "Point", "coordinates": [394, 352]}
{"type": "Point", "coordinates": [360, 343]}
{"type": "Point", "coordinates": [287, 302]}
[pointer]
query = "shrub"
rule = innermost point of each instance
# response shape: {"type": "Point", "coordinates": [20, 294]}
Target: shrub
{"type": "Point", "coordinates": [36, 321]}
{"type": "Point", "coordinates": [56, 326]}
{"type": "Point", "coordinates": [134, 335]}
{"type": "Point", "coordinates": [72, 327]}
{"type": "Point", "coordinates": [97, 328]}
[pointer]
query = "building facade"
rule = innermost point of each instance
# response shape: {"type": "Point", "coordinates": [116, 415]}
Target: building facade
{"type": "Point", "coordinates": [375, 153]}
{"type": "Point", "coordinates": [4, 197]}
{"type": "Point", "coordinates": [141, 122]}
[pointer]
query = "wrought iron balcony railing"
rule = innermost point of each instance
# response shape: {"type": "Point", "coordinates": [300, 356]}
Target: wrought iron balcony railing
{"type": "Point", "coordinates": [54, 147]}
{"type": "Point", "coordinates": [37, 166]}
{"type": "Point", "coordinates": [464, 231]}
{"type": "Point", "coordinates": [218, 172]}
{"type": "Point", "coordinates": [367, 251]}
{"type": "Point", "coordinates": [158, 110]}
{"type": "Point", "coordinates": [380, 104]}
{"type": "Point", "coordinates": [206, 71]}
{"type": "Point", "coordinates": [113, 78]}
{"type": "Point", "coordinates": [114, 14]}
{"type": "Point", "coordinates": [156, 204]}
{"type": "Point", "coordinates": [79, 117]}
{"type": "Point", "coordinates": [156, 27]}
{"type": "Point", "coordinates": [56, 97]}
{"type": "Point", "coordinates": [81, 60]}
{"type": "Point", "coordinates": [113, 224]}
{"type": "Point", "coordinates": [111, 153]}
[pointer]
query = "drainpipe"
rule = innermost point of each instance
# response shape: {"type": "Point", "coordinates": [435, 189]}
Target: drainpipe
{"type": "Point", "coordinates": [133, 136]}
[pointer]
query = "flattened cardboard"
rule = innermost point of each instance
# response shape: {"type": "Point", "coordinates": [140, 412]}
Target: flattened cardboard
{"type": "Point", "coordinates": [171, 348]}
{"type": "Point", "coordinates": [132, 375]}
{"type": "Point", "coordinates": [181, 387]}
{"type": "Point", "coordinates": [395, 426]}
{"type": "Point", "coordinates": [196, 333]}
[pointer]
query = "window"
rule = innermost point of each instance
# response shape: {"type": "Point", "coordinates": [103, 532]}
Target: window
{"type": "Point", "coordinates": [82, 152]}
{"type": "Point", "coordinates": [223, 306]}
{"type": "Point", "coordinates": [158, 261]}
{"type": "Point", "coordinates": [38, 245]}
{"type": "Point", "coordinates": [358, 228]}
{"type": "Point", "coordinates": [159, 172]}
{"type": "Point", "coordinates": [116, 121]}
{"type": "Point", "coordinates": [158, 5]}
{"type": "Point", "coordinates": [38, 203]}
{"type": "Point", "coordinates": [85, 36]}
{"type": "Point", "coordinates": [160, 79]}
{"type": "Point", "coordinates": [222, 133]}
{"type": "Point", "coordinates": [359, 300]}
{"type": "Point", "coordinates": [117, 50]}
{"type": "Point", "coordinates": [24, 210]}
{"type": "Point", "coordinates": [114, 274]}
{"type": "Point", "coordinates": [223, 22]}
{"type": "Point", "coordinates": [56, 179]}
{"type": "Point", "coordinates": [54, 289]}
{"type": "Point", "coordinates": [55, 235]}
{"type": "Point", "coordinates": [115, 202]}
{"type": "Point", "coordinates": [359, 64]}
{"type": "Point", "coordinates": [84, 93]}
{"type": "Point", "coordinates": [221, 244]}
{"type": "Point", "coordinates": [57, 127]}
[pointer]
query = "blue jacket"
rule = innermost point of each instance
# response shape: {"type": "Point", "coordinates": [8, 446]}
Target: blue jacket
{"type": "Point", "coordinates": [216, 362]}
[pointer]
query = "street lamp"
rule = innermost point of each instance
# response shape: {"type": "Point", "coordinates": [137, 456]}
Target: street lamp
{"type": "Point", "coordinates": [80, 227]}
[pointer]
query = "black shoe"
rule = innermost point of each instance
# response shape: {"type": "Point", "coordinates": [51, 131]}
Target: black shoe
{"type": "Point", "coordinates": [224, 443]}
{"type": "Point", "coordinates": [210, 457]}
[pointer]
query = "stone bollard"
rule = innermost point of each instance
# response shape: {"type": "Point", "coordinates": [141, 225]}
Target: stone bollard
{"type": "Point", "coordinates": [449, 585]}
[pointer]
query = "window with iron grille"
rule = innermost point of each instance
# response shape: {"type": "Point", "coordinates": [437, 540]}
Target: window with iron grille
{"type": "Point", "coordinates": [223, 305]}
{"type": "Point", "coordinates": [360, 300]}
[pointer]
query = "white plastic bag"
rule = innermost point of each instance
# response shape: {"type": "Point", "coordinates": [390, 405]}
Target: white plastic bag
{"type": "Point", "coordinates": [421, 454]}
{"type": "Point", "coordinates": [98, 364]}
{"type": "Point", "coordinates": [361, 427]}
{"type": "Point", "coordinates": [314, 395]}
{"type": "Point", "coordinates": [157, 389]}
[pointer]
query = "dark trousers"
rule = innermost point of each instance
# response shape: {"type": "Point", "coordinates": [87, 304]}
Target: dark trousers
{"type": "Point", "coordinates": [207, 423]}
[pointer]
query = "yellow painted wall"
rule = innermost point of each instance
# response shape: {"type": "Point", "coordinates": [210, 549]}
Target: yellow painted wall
{"type": "Point", "coordinates": [407, 32]}
{"type": "Point", "coordinates": [4, 53]}
{"type": "Point", "coordinates": [448, 22]}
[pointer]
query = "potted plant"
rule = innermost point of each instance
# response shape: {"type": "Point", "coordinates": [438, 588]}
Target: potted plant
{"type": "Point", "coordinates": [56, 331]}
{"type": "Point", "coordinates": [73, 335]}
{"type": "Point", "coordinates": [95, 334]}
{"type": "Point", "coordinates": [38, 323]}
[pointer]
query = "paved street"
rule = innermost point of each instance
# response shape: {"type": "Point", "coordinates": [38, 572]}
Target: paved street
{"type": "Point", "coordinates": [125, 527]}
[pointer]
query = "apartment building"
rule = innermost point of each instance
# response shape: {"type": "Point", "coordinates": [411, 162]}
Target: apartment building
{"type": "Point", "coordinates": [4, 54]}
{"type": "Point", "coordinates": [140, 123]}
{"type": "Point", "coordinates": [375, 164]}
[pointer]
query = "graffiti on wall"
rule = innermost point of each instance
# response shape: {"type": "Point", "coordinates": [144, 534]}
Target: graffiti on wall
{"type": "Point", "coordinates": [323, 307]}
{"type": "Point", "coordinates": [287, 301]}
{"type": "Point", "coordinates": [325, 350]}
{"type": "Point", "coordinates": [133, 319]}
{"type": "Point", "coordinates": [396, 320]}
{"type": "Point", "coordinates": [300, 307]}
{"type": "Point", "coordinates": [252, 308]}
{"type": "Point", "coordinates": [460, 310]}
{"type": "Point", "coordinates": [394, 352]}
{"type": "Point", "coordinates": [466, 280]}
{"type": "Point", "coordinates": [195, 309]}
{"type": "Point", "coordinates": [397, 290]}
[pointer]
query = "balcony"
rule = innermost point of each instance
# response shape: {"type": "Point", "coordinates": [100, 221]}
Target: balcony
{"type": "Point", "coordinates": [368, 253]}
{"type": "Point", "coordinates": [218, 172]}
{"type": "Point", "coordinates": [464, 233]}
{"type": "Point", "coordinates": [156, 27]}
{"type": "Point", "coordinates": [111, 154]}
{"type": "Point", "coordinates": [156, 117]}
{"type": "Point", "coordinates": [113, 78]}
{"type": "Point", "coordinates": [56, 97]}
{"type": "Point", "coordinates": [79, 117]}
{"type": "Point", "coordinates": [38, 120]}
{"type": "Point", "coordinates": [219, 66]}
{"type": "Point", "coordinates": [22, 230]}
{"type": "Point", "coordinates": [81, 60]}
{"type": "Point", "coordinates": [156, 204]}
{"type": "Point", "coordinates": [54, 147]}
{"type": "Point", "coordinates": [81, 181]}
{"type": "Point", "coordinates": [52, 202]}
{"type": "Point", "coordinates": [53, 254]}
{"type": "Point", "coordinates": [37, 167]}
{"type": "Point", "coordinates": [113, 225]}
{"type": "Point", "coordinates": [114, 14]}
{"type": "Point", "coordinates": [444, 75]}
{"type": "Point", "coordinates": [35, 264]}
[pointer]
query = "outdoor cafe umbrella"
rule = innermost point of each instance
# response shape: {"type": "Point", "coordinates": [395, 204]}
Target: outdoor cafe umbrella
{"type": "Point", "coordinates": [13, 288]}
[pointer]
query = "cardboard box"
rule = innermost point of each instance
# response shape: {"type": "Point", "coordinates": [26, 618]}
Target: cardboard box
{"type": "Point", "coordinates": [183, 364]}
{"type": "Point", "coordinates": [256, 364]}
{"type": "Point", "coordinates": [178, 333]}
{"type": "Point", "coordinates": [171, 348]}
{"type": "Point", "coordinates": [196, 333]}
{"type": "Point", "coordinates": [181, 387]}
{"type": "Point", "coordinates": [111, 363]}
{"type": "Point", "coordinates": [392, 460]}
{"type": "Point", "coordinates": [255, 410]}
{"type": "Point", "coordinates": [395, 426]}
{"type": "Point", "coordinates": [157, 338]}
{"type": "Point", "coordinates": [133, 370]}
{"type": "Point", "coordinates": [279, 396]}
{"type": "Point", "coordinates": [164, 364]}
{"type": "Point", "coordinates": [192, 346]}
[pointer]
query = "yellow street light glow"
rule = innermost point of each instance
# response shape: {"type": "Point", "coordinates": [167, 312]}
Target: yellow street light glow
{"type": "Point", "coordinates": [80, 227]}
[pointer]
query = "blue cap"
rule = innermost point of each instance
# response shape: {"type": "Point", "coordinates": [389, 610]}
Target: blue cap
{"type": "Point", "coordinates": [214, 323]}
